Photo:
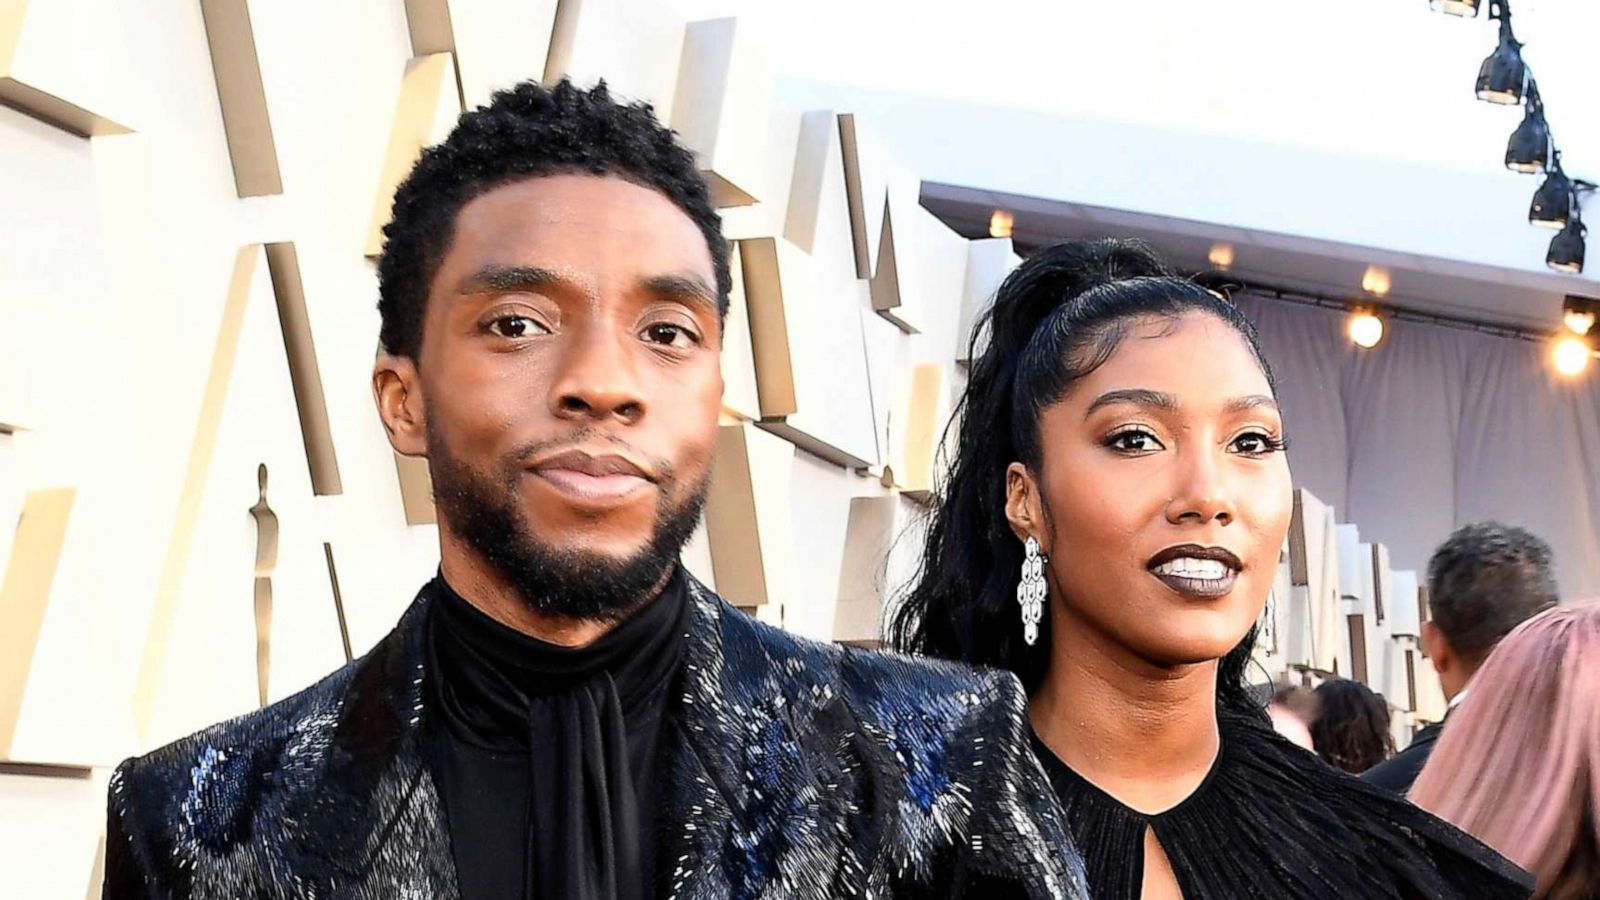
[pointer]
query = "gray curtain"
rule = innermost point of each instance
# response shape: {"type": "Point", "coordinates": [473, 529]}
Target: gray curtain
{"type": "Point", "coordinates": [1437, 427]}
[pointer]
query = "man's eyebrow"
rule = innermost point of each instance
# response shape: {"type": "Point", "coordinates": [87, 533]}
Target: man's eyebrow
{"type": "Point", "coordinates": [691, 288]}
{"type": "Point", "coordinates": [1249, 402]}
{"type": "Point", "coordinates": [508, 278]}
{"type": "Point", "coordinates": [1135, 396]}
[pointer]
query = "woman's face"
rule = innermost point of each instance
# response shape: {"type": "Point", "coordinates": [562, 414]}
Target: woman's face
{"type": "Point", "coordinates": [1164, 495]}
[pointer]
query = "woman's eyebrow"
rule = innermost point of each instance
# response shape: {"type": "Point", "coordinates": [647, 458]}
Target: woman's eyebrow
{"type": "Point", "coordinates": [1249, 402]}
{"type": "Point", "coordinates": [1135, 396]}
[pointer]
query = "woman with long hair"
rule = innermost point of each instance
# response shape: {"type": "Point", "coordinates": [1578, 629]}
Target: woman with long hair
{"type": "Point", "coordinates": [1109, 529]}
{"type": "Point", "coordinates": [1519, 765]}
{"type": "Point", "coordinates": [1351, 730]}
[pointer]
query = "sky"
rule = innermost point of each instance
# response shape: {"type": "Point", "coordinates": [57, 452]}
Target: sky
{"type": "Point", "coordinates": [1385, 79]}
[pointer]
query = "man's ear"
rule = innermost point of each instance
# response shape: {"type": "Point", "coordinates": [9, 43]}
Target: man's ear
{"type": "Point", "coordinates": [398, 393]}
{"type": "Point", "coordinates": [1025, 506]}
{"type": "Point", "coordinates": [1437, 648]}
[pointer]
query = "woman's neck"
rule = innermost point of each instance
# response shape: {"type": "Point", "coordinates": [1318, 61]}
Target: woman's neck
{"type": "Point", "coordinates": [1145, 734]}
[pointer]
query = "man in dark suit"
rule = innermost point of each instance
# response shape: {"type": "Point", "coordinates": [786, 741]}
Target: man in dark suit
{"type": "Point", "coordinates": [1483, 581]}
{"type": "Point", "coordinates": [564, 712]}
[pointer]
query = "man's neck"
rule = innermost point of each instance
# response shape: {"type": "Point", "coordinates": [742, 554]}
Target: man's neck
{"type": "Point", "coordinates": [1143, 733]}
{"type": "Point", "coordinates": [482, 585]}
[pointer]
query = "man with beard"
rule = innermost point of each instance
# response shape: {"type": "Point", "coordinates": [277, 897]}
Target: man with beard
{"type": "Point", "coordinates": [564, 712]}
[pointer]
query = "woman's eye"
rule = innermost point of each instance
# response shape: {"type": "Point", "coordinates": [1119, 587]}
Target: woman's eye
{"type": "Point", "coordinates": [670, 335]}
{"type": "Point", "coordinates": [1257, 443]}
{"type": "Point", "coordinates": [1133, 441]}
{"type": "Point", "coordinates": [516, 327]}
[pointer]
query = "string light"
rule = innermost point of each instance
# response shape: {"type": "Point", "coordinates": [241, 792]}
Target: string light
{"type": "Point", "coordinates": [1000, 223]}
{"type": "Point", "coordinates": [1366, 329]}
{"type": "Point", "coordinates": [1572, 355]}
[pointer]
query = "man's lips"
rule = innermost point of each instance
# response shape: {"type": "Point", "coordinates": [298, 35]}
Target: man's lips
{"type": "Point", "coordinates": [592, 477]}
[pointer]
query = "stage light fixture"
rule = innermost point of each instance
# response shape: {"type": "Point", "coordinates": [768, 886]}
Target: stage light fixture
{"type": "Point", "coordinates": [1579, 314]}
{"type": "Point", "coordinates": [1571, 355]}
{"type": "Point", "coordinates": [1552, 202]}
{"type": "Point", "coordinates": [1000, 223]}
{"type": "Point", "coordinates": [1503, 76]}
{"type": "Point", "coordinates": [1566, 248]}
{"type": "Point", "coordinates": [1455, 7]}
{"type": "Point", "coordinates": [1528, 151]}
{"type": "Point", "coordinates": [1366, 329]}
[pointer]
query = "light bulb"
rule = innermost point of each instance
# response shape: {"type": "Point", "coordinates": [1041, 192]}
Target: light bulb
{"type": "Point", "coordinates": [1366, 329]}
{"type": "Point", "coordinates": [1571, 356]}
{"type": "Point", "coordinates": [1000, 224]}
{"type": "Point", "coordinates": [1375, 281]}
{"type": "Point", "coordinates": [1221, 256]}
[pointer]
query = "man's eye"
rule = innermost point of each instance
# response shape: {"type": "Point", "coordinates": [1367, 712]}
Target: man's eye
{"type": "Point", "coordinates": [516, 327]}
{"type": "Point", "coordinates": [1133, 441]}
{"type": "Point", "coordinates": [670, 335]}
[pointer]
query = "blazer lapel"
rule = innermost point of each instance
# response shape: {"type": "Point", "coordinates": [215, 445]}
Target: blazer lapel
{"type": "Point", "coordinates": [375, 822]}
{"type": "Point", "coordinates": [751, 781]}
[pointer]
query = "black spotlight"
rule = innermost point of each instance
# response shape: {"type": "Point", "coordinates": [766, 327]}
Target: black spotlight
{"type": "Point", "coordinates": [1552, 202]}
{"type": "Point", "coordinates": [1502, 76]}
{"type": "Point", "coordinates": [1566, 249]}
{"type": "Point", "coordinates": [1455, 7]}
{"type": "Point", "coordinates": [1529, 147]}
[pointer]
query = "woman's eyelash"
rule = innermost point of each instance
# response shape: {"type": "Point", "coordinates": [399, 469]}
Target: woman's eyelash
{"type": "Point", "coordinates": [1273, 443]}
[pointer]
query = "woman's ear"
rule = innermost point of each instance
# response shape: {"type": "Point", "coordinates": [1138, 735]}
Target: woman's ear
{"type": "Point", "coordinates": [1025, 506]}
{"type": "Point", "coordinates": [398, 392]}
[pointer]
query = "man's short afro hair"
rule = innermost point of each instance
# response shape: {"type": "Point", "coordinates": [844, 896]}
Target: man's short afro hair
{"type": "Point", "coordinates": [525, 132]}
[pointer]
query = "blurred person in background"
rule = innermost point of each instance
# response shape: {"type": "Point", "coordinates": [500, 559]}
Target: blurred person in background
{"type": "Point", "coordinates": [1483, 581]}
{"type": "Point", "coordinates": [1530, 738]}
{"type": "Point", "coordinates": [1292, 710]}
{"type": "Point", "coordinates": [1352, 729]}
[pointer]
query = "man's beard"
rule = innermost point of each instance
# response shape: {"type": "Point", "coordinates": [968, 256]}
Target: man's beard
{"type": "Point", "coordinates": [552, 578]}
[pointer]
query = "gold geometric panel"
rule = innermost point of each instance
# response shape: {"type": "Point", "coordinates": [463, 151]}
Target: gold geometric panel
{"type": "Point", "coordinates": [416, 489]}
{"type": "Point", "coordinates": [243, 584]}
{"type": "Point", "coordinates": [921, 262]}
{"type": "Point", "coordinates": [24, 595]}
{"type": "Point", "coordinates": [495, 44]}
{"type": "Point", "coordinates": [428, 107]}
{"type": "Point", "coordinates": [305, 375]}
{"type": "Point", "coordinates": [776, 279]}
{"type": "Point", "coordinates": [43, 58]}
{"type": "Point", "coordinates": [866, 181]}
{"type": "Point", "coordinates": [882, 543]}
{"type": "Point", "coordinates": [247, 263]}
{"type": "Point", "coordinates": [923, 409]}
{"type": "Point", "coordinates": [747, 515]}
{"type": "Point", "coordinates": [811, 371]}
{"type": "Point", "coordinates": [243, 99]}
{"type": "Point", "coordinates": [740, 397]}
{"type": "Point", "coordinates": [635, 45]}
{"type": "Point", "coordinates": [989, 261]}
{"type": "Point", "coordinates": [720, 108]}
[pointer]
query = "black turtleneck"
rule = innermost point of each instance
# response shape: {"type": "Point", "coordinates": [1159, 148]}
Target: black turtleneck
{"type": "Point", "coordinates": [544, 755]}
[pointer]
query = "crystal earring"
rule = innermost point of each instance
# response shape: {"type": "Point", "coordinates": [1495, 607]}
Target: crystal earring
{"type": "Point", "coordinates": [1031, 591]}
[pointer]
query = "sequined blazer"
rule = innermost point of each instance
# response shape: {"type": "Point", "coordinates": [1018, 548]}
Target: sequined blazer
{"type": "Point", "coordinates": [794, 769]}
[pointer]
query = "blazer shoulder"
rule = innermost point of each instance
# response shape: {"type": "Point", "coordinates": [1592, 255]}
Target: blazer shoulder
{"type": "Point", "coordinates": [226, 763]}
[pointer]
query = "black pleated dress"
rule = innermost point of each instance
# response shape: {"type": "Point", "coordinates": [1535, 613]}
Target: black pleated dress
{"type": "Point", "coordinates": [1273, 821]}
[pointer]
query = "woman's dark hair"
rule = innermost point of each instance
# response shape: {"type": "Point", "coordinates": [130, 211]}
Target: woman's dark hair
{"type": "Point", "coordinates": [1055, 319]}
{"type": "Point", "coordinates": [1352, 729]}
